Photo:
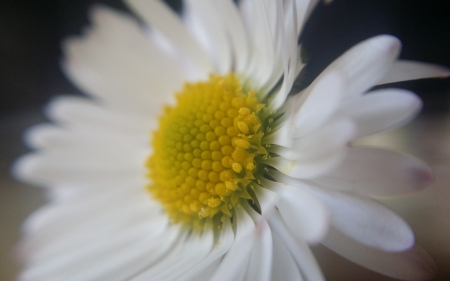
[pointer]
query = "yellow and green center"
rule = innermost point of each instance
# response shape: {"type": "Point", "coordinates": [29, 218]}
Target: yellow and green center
{"type": "Point", "coordinates": [206, 150]}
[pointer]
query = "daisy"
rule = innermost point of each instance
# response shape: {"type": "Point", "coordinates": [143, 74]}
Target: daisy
{"type": "Point", "coordinates": [190, 161]}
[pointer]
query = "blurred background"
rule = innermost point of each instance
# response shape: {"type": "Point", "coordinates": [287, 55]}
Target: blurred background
{"type": "Point", "coordinates": [30, 36]}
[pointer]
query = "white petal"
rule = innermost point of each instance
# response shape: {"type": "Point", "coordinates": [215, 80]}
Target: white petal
{"type": "Point", "coordinates": [309, 169]}
{"type": "Point", "coordinates": [186, 254]}
{"type": "Point", "coordinates": [77, 206]}
{"type": "Point", "coordinates": [234, 264]}
{"type": "Point", "coordinates": [290, 57]}
{"type": "Point", "coordinates": [302, 213]}
{"type": "Point", "coordinates": [284, 266]}
{"type": "Point", "coordinates": [331, 137]}
{"type": "Point", "coordinates": [266, 199]}
{"type": "Point", "coordinates": [318, 103]}
{"type": "Point", "coordinates": [367, 221]}
{"type": "Point", "coordinates": [205, 22]}
{"type": "Point", "coordinates": [80, 149]}
{"type": "Point", "coordinates": [93, 156]}
{"type": "Point", "coordinates": [311, 6]}
{"type": "Point", "coordinates": [378, 172]}
{"type": "Point", "coordinates": [381, 110]}
{"type": "Point", "coordinates": [75, 112]}
{"type": "Point", "coordinates": [157, 15]}
{"type": "Point", "coordinates": [411, 70]}
{"type": "Point", "coordinates": [223, 244]}
{"type": "Point", "coordinates": [259, 16]}
{"type": "Point", "coordinates": [49, 136]}
{"type": "Point", "coordinates": [116, 257]}
{"type": "Point", "coordinates": [260, 262]}
{"type": "Point", "coordinates": [236, 32]}
{"type": "Point", "coordinates": [299, 250]}
{"type": "Point", "coordinates": [126, 74]}
{"type": "Point", "coordinates": [66, 198]}
{"type": "Point", "coordinates": [281, 135]}
{"type": "Point", "coordinates": [366, 63]}
{"type": "Point", "coordinates": [205, 274]}
{"type": "Point", "coordinates": [303, 10]}
{"type": "Point", "coordinates": [59, 226]}
{"type": "Point", "coordinates": [82, 166]}
{"type": "Point", "coordinates": [414, 264]}
{"type": "Point", "coordinates": [60, 167]}
{"type": "Point", "coordinates": [315, 155]}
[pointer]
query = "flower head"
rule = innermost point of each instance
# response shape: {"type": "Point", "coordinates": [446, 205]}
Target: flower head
{"type": "Point", "coordinates": [190, 161]}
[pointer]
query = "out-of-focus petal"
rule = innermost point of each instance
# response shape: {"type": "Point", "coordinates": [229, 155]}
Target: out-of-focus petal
{"type": "Point", "coordinates": [403, 70]}
{"type": "Point", "coordinates": [381, 110]}
{"type": "Point", "coordinates": [378, 172]}
{"type": "Point", "coordinates": [414, 264]}
{"type": "Point", "coordinates": [365, 64]}
{"type": "Point", "coordinates": [157, 15]}
{"type": "Point", "coordinates": [303, 214]}
{"type": "Point", "coordinates": [367, 221]}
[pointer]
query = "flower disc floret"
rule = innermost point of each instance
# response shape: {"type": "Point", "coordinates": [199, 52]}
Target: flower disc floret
{"type": "Point", "coordinates": [206, 150]}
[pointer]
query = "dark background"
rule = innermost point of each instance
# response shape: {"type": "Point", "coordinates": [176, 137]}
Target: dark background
{"type": "Point", "coordinates": [31, 31]}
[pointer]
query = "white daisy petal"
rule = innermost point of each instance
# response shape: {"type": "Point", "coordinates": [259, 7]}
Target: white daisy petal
{"type": "Point", "coordinates": [70, 225]}
{"type": "Point", "coordinates": [312, 4]}
{"type": "Point", "coordinates": [92, 199]}
{"type": "Point", "coordinates": [298, 249]}
{"type": "Point", "coordinates": [284, 266]}
{"type": "Point", "coordinates": [281, 136]}
{"type": "Point", "coordinates": [266, 199]}
{"type": "Point", "coordinates": [104, 258]}
{"type": "Point", "coordinates": [93, 157]}
{"type": "Point", "coordinates": [367, 221]}
{"type": "Point", "coordinates": [75, 112]}
{"type": "Point", "coordinates": [46, 169]}
{"type": "Point", "coordinates": [205, 274]}
{"type": "Point", "coordinates": [303, 9]}
{"type": "Point", "coordinates": [307, 169]}
{"type": "Point", "coordinates": [378, 172]}
{"type": "Point", "coordinates": [185, 255]}
{"type": "Point", "coordinates": [95, 201]}
{"type": "Point", "coordinates": [411, 70]}
{"type": "Point", "coordinates": [113, 73]}
{"type": "Point", "coordinates": [157, 15]}
{"type": "Point", "coordinates": [289, 57]}
{"type": "Point", "coordinates": [414, 264]}
{"type": "Point", "coordinates": [210, 263]}
{"type": "Point", "coordinates": [262, 49]}
{"type": "Point", "coordinates": [236, 32]}
{"type": "Point", "coordinates": [260, 261]}
{"type": "Point", "coordinates": [49, 136]}
{"type": "Point", "coordinates": [234, 264]}
{"type": "Point", "coordinates": [296, 206]}
{"type": "Point", "coordinates": [332, 137]}
{"type": "Point", "coordinates": [381, 110]}
{"type": "Point", "coordinates": [365, 64]}
{"type": "Point", "coordinates": [47, 248]}
{"type": "Point", "coordinates": [308, 158]}
{"type": "Point", "coordinates": [205, 22]}
{"type": "Point", "coordinates": [319, 102]}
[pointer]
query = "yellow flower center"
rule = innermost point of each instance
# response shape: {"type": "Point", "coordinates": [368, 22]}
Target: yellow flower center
{"type": "Point", "coordinates": [206, 151]}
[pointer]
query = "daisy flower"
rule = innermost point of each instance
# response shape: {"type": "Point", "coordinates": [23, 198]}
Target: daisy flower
{"type": "Point", "coordinates": [189, 160]}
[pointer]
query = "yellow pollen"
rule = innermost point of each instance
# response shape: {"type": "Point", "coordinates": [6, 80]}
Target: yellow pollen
{"type": "Point", "coordinates": [243, 127]}
{"type": "Point", "coordinates": [230, 185]}
{"type": "Point", "coordinates": [205, 150]}
{"type": "Point", "coordinates": [242, 143]}
{"type": "Point", "coordinates": [250, 166]}
{"type": "Point", "coordinates": [237, 167]}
